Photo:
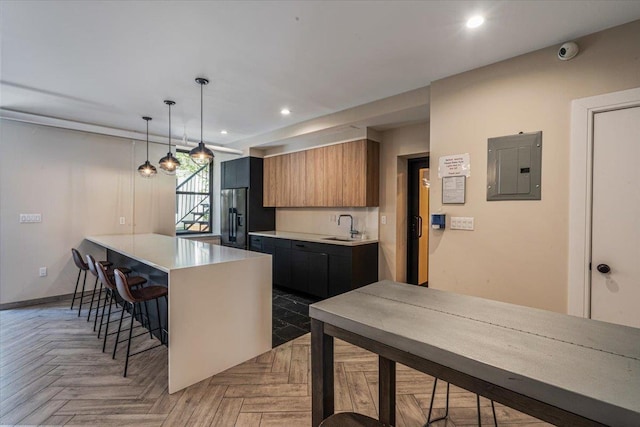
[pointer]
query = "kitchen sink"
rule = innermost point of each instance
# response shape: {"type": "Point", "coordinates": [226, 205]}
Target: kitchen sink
{"type": "Point", "coordinates": [339, 239]}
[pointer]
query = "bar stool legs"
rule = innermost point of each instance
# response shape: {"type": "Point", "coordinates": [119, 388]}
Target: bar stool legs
{"type": "Point", "coordinates": [446, 411]}
{"type": "Point", "coordinates": [75, 292]}
{"type": "Point", "coordinates": [134, 297]}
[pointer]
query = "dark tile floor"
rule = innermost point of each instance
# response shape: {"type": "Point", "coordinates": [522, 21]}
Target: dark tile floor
{"type": "Point", "coordinates": [290, 315]}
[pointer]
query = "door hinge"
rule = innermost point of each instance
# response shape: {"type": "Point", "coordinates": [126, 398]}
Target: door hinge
{"type": "Point", "coordinates": [589, 266]}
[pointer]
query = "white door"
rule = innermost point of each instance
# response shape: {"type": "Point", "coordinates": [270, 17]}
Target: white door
{"type": "Point", "coordinates": [615, 227]}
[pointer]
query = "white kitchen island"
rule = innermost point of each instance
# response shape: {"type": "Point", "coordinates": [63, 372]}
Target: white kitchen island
{"type": "Point", "coordinates": [219, 302]}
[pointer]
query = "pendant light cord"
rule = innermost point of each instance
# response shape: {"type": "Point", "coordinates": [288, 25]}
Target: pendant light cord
{"type": "Point", "coordinates": [147, 140]}
{"type": "Point", "coordinates": [169, 128]}
{"type": "Point", "coordinates": [201, 110]}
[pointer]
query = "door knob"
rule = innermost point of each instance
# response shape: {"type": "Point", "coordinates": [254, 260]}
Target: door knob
{"type": "Point", "coordinates": [603, 268]}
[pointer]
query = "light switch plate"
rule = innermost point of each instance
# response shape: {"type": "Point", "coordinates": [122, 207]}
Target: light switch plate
{"type": "Point", "coordinates": [462, 223]}
{"type": "Point", "coordinates": [383, 219]}
{"type": "Point", "coordinates": [30, 218]}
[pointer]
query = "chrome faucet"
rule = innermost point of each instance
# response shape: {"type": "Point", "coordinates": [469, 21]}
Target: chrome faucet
{"type": "Point", "coordinates": [351, 230]}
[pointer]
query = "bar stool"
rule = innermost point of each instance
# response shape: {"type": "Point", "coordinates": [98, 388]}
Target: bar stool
{"type": "Point", "coordinates": [351, 419]}
{"type": "Point", "coordinates": [106, 279]}
{"type": "Point", "coordinates": [82, 266]}
{"type": "Point", "coordinates": [135, 297]}
{"type": "Point", "coordinates": [446, 411]}
{"type": "Point", "coordinates": [91, 262]}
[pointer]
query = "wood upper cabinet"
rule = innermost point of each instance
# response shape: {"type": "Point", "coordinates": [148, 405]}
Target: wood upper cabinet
{"type": "Point", "coordinates": [269, 182]}
{"type": "Point", "coordinates": [332, 176]}
{"type": "Point", "coordinates": [297, 179]}
{"type": "Point", "coordinates": [333, 170]}
{"type": "Point", "coordinates": [315, 180]}
{"type": "Point", "coordinates": [324, 176]}
{"type": "Point", "coordinates": [283, 180]}
{"type": "Point", "coordinates": [361, 173]}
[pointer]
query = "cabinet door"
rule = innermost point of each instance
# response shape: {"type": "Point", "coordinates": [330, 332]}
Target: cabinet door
{"type": "Point", "coordinates": [318, 275]}
{"type": "Point", "coordinates": [255, 243]}
{"type": "Point", "coordinates": [269, 182]}
{"type": "Point", "coordinates": [333, 174]}
{"type": "Point", "coordinates": [283, 180]}
{"type": "Point", "coordinates": [282, 266]}
{"type": "Point", "coordinates": [241, 172]}
{"type": "Point", "coordinates": [315, 182]}
{"type": "Point", "coordinates": [339, 274]}
{"type": "Point", "coordinates": [299, 270]}
{"type": "Point", "coordinates": [354, 165]}
{"type": "Point", "coordinates": [224, 175]}
{"type": "Point", "coordinates": [297, 178]}
{"type": "Point", "coordinates": [373, 174]}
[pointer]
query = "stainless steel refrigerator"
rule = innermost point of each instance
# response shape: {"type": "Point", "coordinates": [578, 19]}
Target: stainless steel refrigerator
{"type": "Point", "coordinates": [233, 217]}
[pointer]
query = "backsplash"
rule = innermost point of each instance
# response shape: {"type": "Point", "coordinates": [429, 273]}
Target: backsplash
{"type": "Point", "coordinates": [325, 220]}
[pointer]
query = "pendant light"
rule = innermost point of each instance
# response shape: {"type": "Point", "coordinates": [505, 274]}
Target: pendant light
{"type": "Point", "coordinates": [201, 155]}
{"type": "Point", "coordinates": [168, 163]}
{"type": "Point", "coordinates": [147, 170]}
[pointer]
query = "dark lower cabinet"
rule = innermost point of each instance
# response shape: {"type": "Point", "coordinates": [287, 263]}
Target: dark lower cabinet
{"type": "Point", "coordinates": [309, 269]}
{"type": "Point", "coordinates": [319, 269]}
{"type": "Point", "coordinates": [282, 267]}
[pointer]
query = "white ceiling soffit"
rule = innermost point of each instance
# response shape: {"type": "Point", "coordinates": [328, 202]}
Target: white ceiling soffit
{"type": "Point", "coordinates": [109, 62]}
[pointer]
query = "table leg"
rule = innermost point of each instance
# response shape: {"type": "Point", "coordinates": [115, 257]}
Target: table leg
{"type": "Point", "coordinates": [387, 390]}
{"type": "Point", "coordinates": [321, 373]}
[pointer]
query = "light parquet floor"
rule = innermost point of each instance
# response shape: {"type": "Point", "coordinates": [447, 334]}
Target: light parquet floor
{"type": "Point", "coordinates": [52, 372]}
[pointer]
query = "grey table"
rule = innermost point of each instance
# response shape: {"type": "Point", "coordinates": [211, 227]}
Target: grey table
{"type": "Point", "coordinates": [562, 369]}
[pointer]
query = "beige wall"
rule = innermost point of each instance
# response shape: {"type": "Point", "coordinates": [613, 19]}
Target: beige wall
{"type": "Point", "coordinates": [398, 145]}
{"type": "Point", "coordinates": [81, 183]}
{"type": "Point", "coordinates": [519, 250]}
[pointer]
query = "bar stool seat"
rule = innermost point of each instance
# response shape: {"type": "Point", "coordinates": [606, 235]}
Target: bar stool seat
{"type": "Point", "coordinates": [351, 419]}
{"type": "Point", "coordinates": [91, 263]}
{"type": "Point", "coordinates": [110, 296]}
{"type": "Point", "coordinates": [82, 266]}
{"type": "Point", "coordinates": [147, 293]}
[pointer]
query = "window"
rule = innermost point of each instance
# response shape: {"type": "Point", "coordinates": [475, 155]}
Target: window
{"type": "Point", "coordinates": [193, 196]}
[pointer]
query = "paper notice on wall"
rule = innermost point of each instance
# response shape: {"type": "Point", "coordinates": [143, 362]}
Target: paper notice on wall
{"type": "Point", "coordinates": [454, 165]}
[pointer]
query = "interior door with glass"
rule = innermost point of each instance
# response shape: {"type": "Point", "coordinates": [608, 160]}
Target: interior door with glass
{"type": "Point", "coordinates": [418, 222]}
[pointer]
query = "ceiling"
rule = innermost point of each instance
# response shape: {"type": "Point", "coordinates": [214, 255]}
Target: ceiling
{"type": "Point", "coordinates": [109, 62]}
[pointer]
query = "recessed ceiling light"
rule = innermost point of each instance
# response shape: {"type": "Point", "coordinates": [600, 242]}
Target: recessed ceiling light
{"type": "Point", "coordinates": [475, 21]}
{"type": "Point", "coordinates": [285, 112]}
{"type": "Point", "coordinates": [224, 132]}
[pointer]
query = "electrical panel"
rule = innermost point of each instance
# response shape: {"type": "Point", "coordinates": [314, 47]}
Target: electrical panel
{"type": "Point", "coordinates": [514, 166]}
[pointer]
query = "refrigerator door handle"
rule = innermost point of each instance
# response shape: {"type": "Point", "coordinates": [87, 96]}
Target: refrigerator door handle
{"type": "Point", "coordinates": [235, 224]}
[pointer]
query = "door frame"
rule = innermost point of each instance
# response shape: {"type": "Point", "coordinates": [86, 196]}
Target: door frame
{"type": "Point", "coordinates": [580, 183]}
{"type": "Point", "coordinates": [411, 199]}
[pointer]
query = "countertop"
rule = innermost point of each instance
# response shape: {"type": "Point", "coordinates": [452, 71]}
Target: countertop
{"type": "Point", "coordinates": [316, 238]}
{"type": "Point", "coordinates": [170, 253]}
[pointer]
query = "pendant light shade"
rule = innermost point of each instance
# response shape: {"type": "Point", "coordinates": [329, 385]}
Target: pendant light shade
{"type": "Point", "coordinates": [169, 163]}
{"type": "Point", "coordinates": [201, 155]}
{"type": "Point", "coordinates": [147, 170]}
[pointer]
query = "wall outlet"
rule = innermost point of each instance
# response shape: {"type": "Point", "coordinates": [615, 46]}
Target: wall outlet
{"type": "Point", "coordinates": [122, 220]}
{"type": "Point", "coordinates": [30, 218]}
{"type": "Point", "coordinates": [43, 271]}
{"type": "Point", "coordinates": [383, 219]}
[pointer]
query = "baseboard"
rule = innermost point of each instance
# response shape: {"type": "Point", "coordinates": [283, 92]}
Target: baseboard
{"type": "Point", "coordinates": [38, 301]}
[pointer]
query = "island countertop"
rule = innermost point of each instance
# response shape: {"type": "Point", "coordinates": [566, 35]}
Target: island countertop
{"type": "Point", "coordinates": [168, 253]}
